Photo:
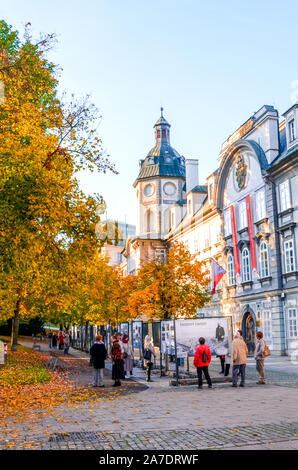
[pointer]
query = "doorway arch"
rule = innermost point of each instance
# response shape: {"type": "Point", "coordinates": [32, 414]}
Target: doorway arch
{"type": "Point", "coordinates": [249, 328]}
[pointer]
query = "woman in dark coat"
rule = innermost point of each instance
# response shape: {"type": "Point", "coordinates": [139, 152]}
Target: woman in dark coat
{"type": "Point", "coordinates": [117, 363]}
{"type": "Point", "coordinates": [98, 355]}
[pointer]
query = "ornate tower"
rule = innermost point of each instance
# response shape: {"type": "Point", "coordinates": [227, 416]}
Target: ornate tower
{"type": "Point", "coordinates": [160, 183]}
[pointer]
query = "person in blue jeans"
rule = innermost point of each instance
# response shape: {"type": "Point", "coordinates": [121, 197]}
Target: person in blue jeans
{"type": "Point", "coordinates": [239, 355]}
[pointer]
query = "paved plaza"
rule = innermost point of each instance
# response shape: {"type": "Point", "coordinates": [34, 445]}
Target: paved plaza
{"type": "Point", "coordinates": [156, 416]}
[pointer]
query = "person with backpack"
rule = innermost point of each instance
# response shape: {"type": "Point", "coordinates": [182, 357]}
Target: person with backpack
{"type": "Point", "coordinates": [201, 361]}
{"type": "Point", "coordinates": [98, 355]}
{"type": "Point", "coordinates": [149, 354]}
{"type": "Point", "coordinates": [259, 356]}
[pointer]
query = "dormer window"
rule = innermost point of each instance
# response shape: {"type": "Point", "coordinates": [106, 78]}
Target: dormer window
{"type": "Point", "coordinates": [292, 133]}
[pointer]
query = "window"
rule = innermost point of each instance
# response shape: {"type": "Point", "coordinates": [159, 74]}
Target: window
{"type": "Point", "coordinates": [189, 206]}
{"type": "Point", "coordinates": [163, 133]}
{"type": "Point", "coordinates": [264, 260]}
{"type": "Point", "coordinates": [267, 325]}
{"type": "Point", "coordinates": [284, 194]}
{"type": "Point", "coordinates": [206, 238]}
{"type": "Point", "coordinates": [292, 130]}
{"type": "Point", "coordinates": [119, 260]}
{"type": "Point", "coordinates": [231, 270]}
{"type": "Point", "coordinates": [196, 246]}
{"type": "Point", "coordinates": [158, 133]}
{"type": "Point", "coordinates": [292, 323]}
{"type": "Point", "coordinates": [227, 222]}
{"type": "Point", "coordinates": [260, 205]}
{"type": "Point", "coordinates": [245, 265]}
{"type": "Point", "coordinates": [289, 256]}
{"type": "Point", "coordinates": [242, 215]}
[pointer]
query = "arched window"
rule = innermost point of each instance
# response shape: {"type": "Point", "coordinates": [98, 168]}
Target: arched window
{"type": "Point", "coordinates": [149, 221]}
{"type": "Point", "coordinates": [245, 265]}
{"type": "Point", "coordinates": [264, 260]}
{"type": "Point", "coordinates": [231, 270]}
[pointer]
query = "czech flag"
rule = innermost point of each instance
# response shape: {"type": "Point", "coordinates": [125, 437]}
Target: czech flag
{"type": "Point", "coordinates": [217, 273]}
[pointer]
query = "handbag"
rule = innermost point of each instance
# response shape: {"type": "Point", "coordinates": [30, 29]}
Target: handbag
{"type": "Point", "coordinates": [266, 351]}
{"type": "Point", "coordinates": [125, 355]}
{"type": "Point", "coordinates": [147, 354]}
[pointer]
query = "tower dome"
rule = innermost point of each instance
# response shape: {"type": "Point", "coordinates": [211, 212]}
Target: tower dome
{"type": "Point", "coordinates": [163, 159]}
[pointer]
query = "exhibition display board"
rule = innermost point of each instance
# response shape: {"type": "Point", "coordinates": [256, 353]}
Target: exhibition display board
{"type": "Point", "coordinates": [217, 332]}
{"type": "Point", "coordinates": [167, 339]}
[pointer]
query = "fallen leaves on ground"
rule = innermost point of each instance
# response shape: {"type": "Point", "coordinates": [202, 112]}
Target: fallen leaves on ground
{"type": "Point", "coordinates": [33, 401]}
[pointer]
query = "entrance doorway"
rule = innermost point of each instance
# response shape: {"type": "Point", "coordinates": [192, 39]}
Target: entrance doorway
{"type": "Point", "coordinates": [249, 332]}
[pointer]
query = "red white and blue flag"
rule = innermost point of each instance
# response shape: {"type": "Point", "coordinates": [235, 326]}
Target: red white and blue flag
{"type": "Point", "coordinates": [217, 273]}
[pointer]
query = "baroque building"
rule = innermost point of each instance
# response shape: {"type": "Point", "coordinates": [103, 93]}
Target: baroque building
{"type": "Point", "coordinates": [245, 217]}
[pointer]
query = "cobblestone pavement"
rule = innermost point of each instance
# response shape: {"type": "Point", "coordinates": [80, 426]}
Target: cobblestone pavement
{"type": "Point", "coordinates": [163, 417]}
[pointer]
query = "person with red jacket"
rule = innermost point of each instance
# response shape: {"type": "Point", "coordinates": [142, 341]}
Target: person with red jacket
{"type": "Point", "coordinates": [201, 362]}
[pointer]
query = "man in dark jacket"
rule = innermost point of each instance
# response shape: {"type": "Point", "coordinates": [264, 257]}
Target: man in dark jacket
{"type": "Point", "coordinates": [98, 355]}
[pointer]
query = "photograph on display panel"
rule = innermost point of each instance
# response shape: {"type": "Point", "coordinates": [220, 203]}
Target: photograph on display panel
{"type": "Point", "coordinates": [137, 335]}
{"type": "Point", "coordinates": [216, 331]}
{"type": "Point", "coordinates": [167, 339]}
{"type": "Point", "coordinates": [124, 328]}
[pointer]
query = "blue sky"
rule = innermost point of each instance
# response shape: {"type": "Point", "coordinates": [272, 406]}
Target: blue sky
{"type": "Point", "coordinates": [211, 65]}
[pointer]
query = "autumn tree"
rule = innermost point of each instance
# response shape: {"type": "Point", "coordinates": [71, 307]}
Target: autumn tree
{"type": "Point", "coordinates": [171, 288]}
{"type": "Point", "coordinates": [47, 224]}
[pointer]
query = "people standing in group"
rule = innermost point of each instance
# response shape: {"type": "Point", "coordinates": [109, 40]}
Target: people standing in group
{"type": "Point", "coordinates": [127, 353]}
{"type": "Point", "coordinates": [50, 336]}
{"type": "Point", "coordinates": [149, 354]}
{"type": "Point", "coordinates": [239, 356]}
{"type": "Point", "coordinates": [259, 358]}
{"type": "Point", "coordinates": [60, 339]}
{"type": "Point", "coordinates": [117, 362]}
{"type": "Point", "coordinates": [98, 354]}
{"type": "Point", "coordinates": [66, 342]}
{"type": "Point", "coordinates": [201, 361]}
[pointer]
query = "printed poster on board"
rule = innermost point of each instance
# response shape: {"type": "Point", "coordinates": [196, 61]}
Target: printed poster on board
{"type": "Point", "coordinates": [216, 332]}
{"type": "Point", "coordinates": [137, 339]}
{"type": "Point", "coordinates": [167, 340]}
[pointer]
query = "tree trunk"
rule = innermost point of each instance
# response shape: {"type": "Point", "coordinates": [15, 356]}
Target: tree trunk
{"type": "Point", "coordinates": [166, 363]}
{"type": "Point", "coordinates": [86, 335]}
{"type": "Point", "coordinates": [15, 327]}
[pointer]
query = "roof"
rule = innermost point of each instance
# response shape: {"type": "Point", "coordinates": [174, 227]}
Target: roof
{"type": "Point", "coordinates": [199, 189]}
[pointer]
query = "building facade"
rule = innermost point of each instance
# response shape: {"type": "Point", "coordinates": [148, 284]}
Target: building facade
{"type": "Point", "coordinates": [245, 217]}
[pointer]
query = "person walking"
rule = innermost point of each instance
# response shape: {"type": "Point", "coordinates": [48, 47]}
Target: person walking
{"type": "Point", "coordinates": [259, 358]}
{"type": "Point", "coordinates": [127, 353]}
{"type": "Point", "coordinates": [239, 356]}
{"type": "Point", "coordinates": [117, 362]}
{"type": "Point", "coordinates": [201, 361]}
{"type": "Point", "coordinates": [149, 354]}
{"type": "Point", "coordinates": [50, 336]}
{"type": "Point", "coordinates": [66, 343]}
{"type": "Point", "coordinates": [98, 354]}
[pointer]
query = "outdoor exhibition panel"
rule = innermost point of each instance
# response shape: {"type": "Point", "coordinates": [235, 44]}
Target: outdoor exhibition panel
{"type": "Point", "coordinates": [217, 332]}
{"type": "Point", "coordinates": [167, 341]}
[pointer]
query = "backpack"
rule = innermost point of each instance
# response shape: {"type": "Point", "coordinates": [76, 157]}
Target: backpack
{"type": "Point", "coordinates": [204, 356]}
{"type": "Point", "coordinates": [147, 354]}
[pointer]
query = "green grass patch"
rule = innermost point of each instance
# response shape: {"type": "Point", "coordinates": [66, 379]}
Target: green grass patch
{"type": "Point", "coordinates": [23, 367]}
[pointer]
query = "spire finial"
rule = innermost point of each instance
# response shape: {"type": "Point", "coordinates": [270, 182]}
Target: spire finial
{"type": "Point", "coordinates": [161, 110]}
